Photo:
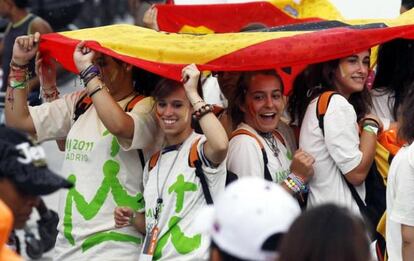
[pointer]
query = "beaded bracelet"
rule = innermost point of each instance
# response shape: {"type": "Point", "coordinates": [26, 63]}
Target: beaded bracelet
{"type": "Point", "coordinates": [295, 183]}
{"type": "Point", "coordinates": [49, 94]}
{"type": "Point", "coordinates": [89, 73]}
{"type": "Point", "coordinates": [203, 110]}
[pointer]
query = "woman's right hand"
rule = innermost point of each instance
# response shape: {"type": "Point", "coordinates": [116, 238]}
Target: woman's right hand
{"type": "Point", "coordinates": [25, 48]}
{"type": "Point", "coordinates": [122, 216]}
{"type": "Point", "coordinates": [302, 165]}
{"type": "Point", "coordinates": [83, 56]}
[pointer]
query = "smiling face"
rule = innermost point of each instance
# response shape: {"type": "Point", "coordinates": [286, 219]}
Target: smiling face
{"type": "Point", "coordinates": [20, 203]}
{"type": "Point", "coordinates": [351, 74]}
{"type": "Point", "coordinates": [264, 102]}
{"type": "Point", "coordinates": [174, 115]}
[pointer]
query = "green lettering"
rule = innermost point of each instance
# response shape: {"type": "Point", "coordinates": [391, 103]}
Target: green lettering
{"type": "Point", "coordinates": [180, 187]}
{"type": "Point", "coordinates": [181, 242]}
{"type": "Point", "coordinates": [98, 238]}
{"type": "Point", "coordinates": [110, 183]}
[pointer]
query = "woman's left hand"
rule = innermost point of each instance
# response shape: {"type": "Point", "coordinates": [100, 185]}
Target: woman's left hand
{"type": "Point", "coordinates": [83, 56]}
{"type": "Point", "coordinates": [190, 76]}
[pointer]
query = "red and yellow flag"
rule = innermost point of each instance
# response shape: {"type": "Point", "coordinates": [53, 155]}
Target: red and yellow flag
{"type": "Point", "coordinates": [288, 47]}
{"type": "Point", "coordinates": [225, 18]}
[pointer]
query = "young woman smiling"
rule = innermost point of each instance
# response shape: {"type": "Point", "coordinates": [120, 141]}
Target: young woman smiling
{"type": "Point", "coordinates": [173, 192]}
{"type": "Point", "coordinates": [338, 148]}
{"type": "Point", "coordinates": [256, 148]}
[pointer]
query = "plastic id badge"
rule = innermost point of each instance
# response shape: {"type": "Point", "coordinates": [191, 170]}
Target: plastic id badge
{"type": "Point", "coordinates": [150, 243]}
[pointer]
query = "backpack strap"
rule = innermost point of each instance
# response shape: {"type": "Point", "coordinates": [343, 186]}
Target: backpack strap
{"type": "Point", "coordinates": [195, 162]}
{"type": "Point", "coordinates": [267, 175]}
{"type": "Point", "coordinates": [81, 106]}
{"type": "Point", "coordinates": [153, 160]}
{"type": "Point", "coordinates": [131, 104]}
{"type": "Point", "coordinates": [322, 107]}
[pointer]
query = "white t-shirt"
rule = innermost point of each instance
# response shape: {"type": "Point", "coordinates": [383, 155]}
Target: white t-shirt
{"type": "Point", "coordinates": [245, 157]}
{"type": "Point", "coordinates": [335, 153]}
{"type": "Point", "coordinates": [382, 106]}
{"type": "Point", "coordinates": [183, 199]}
{"type": "Point", "coordinates": [400, 200]}
{"type": "Point", "coordinates": [212, 93]}
{"type": "Point", "coordinates": [106, 176]}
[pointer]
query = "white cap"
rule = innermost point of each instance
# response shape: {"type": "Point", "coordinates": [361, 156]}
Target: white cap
{"type": "Point", "coordinates": [247, 213]}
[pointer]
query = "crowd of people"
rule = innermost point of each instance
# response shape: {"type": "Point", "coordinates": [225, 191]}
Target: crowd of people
{"type": "Point", "coordinates": [150, 165]}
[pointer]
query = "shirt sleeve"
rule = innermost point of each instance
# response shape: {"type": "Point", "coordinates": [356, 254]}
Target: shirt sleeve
{"type": "Point", "coordinates": [341, 134]}
{"type": "Point", "coordinates": [403, 209]}
{"type": "Point", "coordinates": [53, 120]}
{"type": "Point", "coordinates": [206, 165]}
{"type": "Point", "coordinates": [146, 131]}
{"type": "Point", "coordinates": [245, 157]}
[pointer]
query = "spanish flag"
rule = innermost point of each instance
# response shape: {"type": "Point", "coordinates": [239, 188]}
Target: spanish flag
{"type": "Point", "coordinates": [288, 47]}
{"type": "Point", "coordinates": [225, 18]}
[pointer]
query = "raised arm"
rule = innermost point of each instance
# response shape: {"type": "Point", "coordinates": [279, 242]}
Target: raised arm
{"type": "Point", "coordinates": [217, 143]}
{"type": "Point", "coordinates": [16, 109]}
{"type": "Point", "coordinates": [110, 113]}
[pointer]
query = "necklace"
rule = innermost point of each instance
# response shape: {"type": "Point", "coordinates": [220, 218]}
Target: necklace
{"type": "Point", "coordinates": [271, 142]}
{"type": "Point", "coordinates": [159, 192]}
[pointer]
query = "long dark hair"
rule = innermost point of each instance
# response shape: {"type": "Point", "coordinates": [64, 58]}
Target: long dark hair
{"type": "Point", "coordinates": [316, 79]}
{"type": "Point", "coordinates": [144, 81]}
{"type": "Point", "coordinates": [395, 70]}
{"type": "Point", "coordinates": [406, 117]}
{"type": "Point", "coordinates": [408, 4]}
{"type": "Point", "coordinates": [325, 233]}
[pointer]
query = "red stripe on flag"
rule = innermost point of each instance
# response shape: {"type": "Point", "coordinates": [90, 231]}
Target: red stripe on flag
{"type": "Point", "coordinates": [223, 18]}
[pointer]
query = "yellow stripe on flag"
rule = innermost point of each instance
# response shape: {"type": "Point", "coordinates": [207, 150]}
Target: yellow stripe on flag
{"type": "Point", "coordinates": [171, 48]}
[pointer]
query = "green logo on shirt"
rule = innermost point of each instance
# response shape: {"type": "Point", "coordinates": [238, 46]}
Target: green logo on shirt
{"type": "Point", "coordinates": [182, 243]}
{"type": "Point", "coordinates": [110, 184]}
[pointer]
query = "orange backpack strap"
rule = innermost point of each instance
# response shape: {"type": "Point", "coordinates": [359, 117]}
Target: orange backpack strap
{"type": "Point", "coordinates": [193, 156]}
{"type": "Point", "coordinates": [266, 175]}
{"type": "Point", "coordinates": [153, 160]}
{"type": "Point", "coordinates": [82, 105]}
{"type": "Point", "coordinates": [248, 133]}
{"type": "Point", "coordinates": [131, 104]}
{"type": "Point", "coordinates": [322, 107]}
{"type": "Point", "coordinates": [195, 162]}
